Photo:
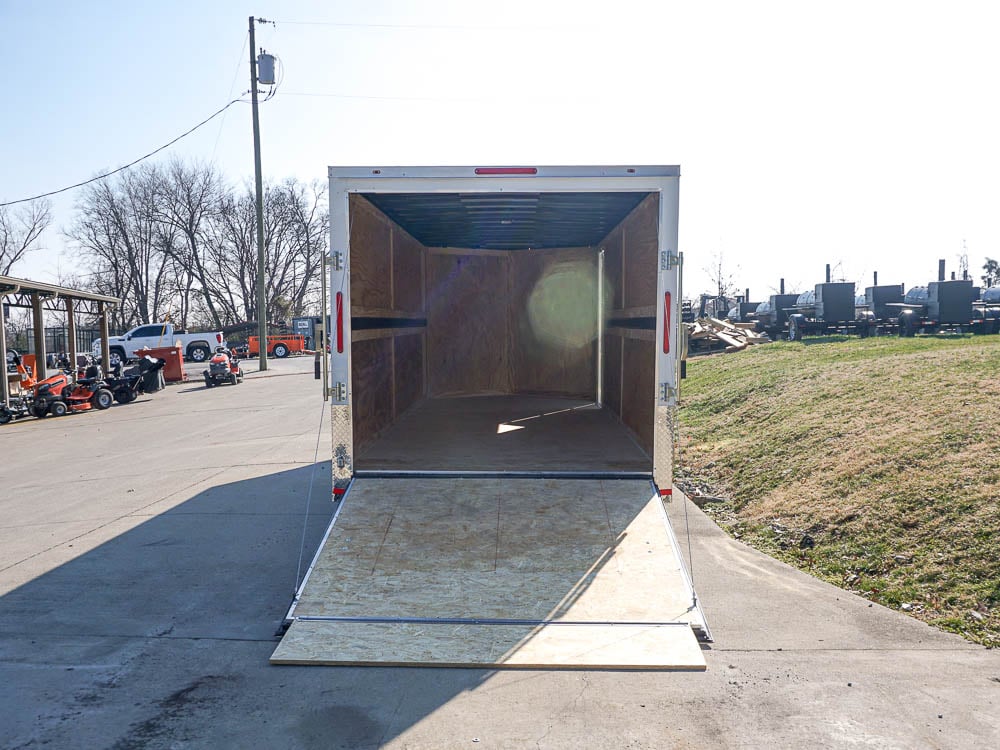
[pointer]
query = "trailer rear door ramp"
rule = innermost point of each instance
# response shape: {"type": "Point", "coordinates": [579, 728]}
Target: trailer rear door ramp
{"type": "Point", "coordinates": [497, 572]}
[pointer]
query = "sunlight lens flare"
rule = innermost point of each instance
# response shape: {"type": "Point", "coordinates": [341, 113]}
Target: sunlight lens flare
{"type": "Point", "coordinates": [562, 308]}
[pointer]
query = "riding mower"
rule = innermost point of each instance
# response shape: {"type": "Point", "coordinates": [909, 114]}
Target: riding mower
{"type": "Point", "coordinates": [223, 368]}
{"type": "Point", "coordinates": [56, 395]}
{"type": "Point", "coordinates": [59, 395]}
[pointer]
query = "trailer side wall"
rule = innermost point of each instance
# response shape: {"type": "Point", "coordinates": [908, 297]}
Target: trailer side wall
{"type": "Point", "coordinates": [630, 303]}
{"type": "Point", "coordinates": [388, 342]}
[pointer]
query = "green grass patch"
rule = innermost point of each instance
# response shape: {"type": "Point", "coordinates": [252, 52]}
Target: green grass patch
{"type": "Point", "coordinates": [871, 463]}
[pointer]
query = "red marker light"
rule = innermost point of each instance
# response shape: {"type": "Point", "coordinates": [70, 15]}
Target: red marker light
{"type": "Point", "coordinates": [666, 493]}
{"type": "Point", "coordinates": [506, 170]}
{"type": "Point", "coordinates": [340, 322]}
{"type": "Point", "coordinates": [666, 323]}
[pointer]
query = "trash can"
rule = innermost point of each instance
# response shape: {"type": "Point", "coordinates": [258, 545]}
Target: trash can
{"type": "Point", "coordinates": [173, 370]}
{"type": "Point", "coordinates": [152, 379]}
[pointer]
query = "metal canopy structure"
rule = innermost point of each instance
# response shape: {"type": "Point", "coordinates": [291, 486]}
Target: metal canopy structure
{"type": "Point", "coordinates": [39, 297]}
{"type": "Point", "coordinates": [507, 221]}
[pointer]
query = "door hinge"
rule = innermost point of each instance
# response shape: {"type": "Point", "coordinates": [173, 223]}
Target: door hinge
{"type": "Point", "coordinates": [337, 260]}
{"type": "Point", "coordinates": [339, 392]}
{"type": "Point", "coordinates": [669, 260]}
{"type": "Point", "coordinates": [667, 392]}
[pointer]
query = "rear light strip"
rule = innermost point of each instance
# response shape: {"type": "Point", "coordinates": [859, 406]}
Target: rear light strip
{"type": "Point", "coordinates": [506, 170]}
{"type": "Point", "coordinates": [666, 323]}
{"type": "Point", "coordinates": [340, 322]}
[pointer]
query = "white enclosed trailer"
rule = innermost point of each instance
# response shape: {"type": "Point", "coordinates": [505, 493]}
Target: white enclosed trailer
{"type": "Point", "coordinates": [503, 380]}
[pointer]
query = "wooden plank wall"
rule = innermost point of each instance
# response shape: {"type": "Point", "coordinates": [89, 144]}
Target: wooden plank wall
{"type": "Point", "coordinates": [553, 311]}
{"type": "Point", "coordinates": [479, 337]}
{"type": "Point", "coordinates": [387, 283]}
{"type": "Point", "coordinates": [468, 324]}
{"type": "Point", "coordinates": [630, 255]}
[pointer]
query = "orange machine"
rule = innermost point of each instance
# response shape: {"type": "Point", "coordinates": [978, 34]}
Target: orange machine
{"type": "Point", "coordinates": [278, 345]}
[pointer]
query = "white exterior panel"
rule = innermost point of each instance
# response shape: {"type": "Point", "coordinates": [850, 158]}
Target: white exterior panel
{"type": "Point", "coordinates": [667, 338]}
{"type": "Point", "coordinates": [663, 180]}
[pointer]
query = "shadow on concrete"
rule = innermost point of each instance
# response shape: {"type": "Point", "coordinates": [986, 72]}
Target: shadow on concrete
{"type": "Point", "coordinates": [162, 635]}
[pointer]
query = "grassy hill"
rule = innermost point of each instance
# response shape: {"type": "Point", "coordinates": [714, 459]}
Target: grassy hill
{"type": "Point", "coordinates": [873, 464]}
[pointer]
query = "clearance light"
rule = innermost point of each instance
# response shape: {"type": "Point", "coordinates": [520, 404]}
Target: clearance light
{"type": "Point", "coordinates": [340, 322]}
{"type": "Point", "coordinates": [506, 170]}
{"type": "Point", "coordinates": [666, 322]}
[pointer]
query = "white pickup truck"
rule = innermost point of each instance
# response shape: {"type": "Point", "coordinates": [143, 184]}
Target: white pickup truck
{"type": "Point", "coordinates": [197, 347]}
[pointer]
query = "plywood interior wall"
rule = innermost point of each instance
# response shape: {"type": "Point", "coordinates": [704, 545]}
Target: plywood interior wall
{"type": "Point", "coordinates": [468, 327]}
{"type": "Point", "coordinates": [630, 254]}
{"type": "Point", "coordinates": [512, 322]}
{"type": "Point", "coordinates": [553, 320]}
{"type": "Point", "coordinates": [387, 292]}
{"type": "Point", "coordinates": [499, 321]}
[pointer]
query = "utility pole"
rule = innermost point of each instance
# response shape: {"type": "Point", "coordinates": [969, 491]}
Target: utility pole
{"type": "Point", "coordinates": [261, 291]}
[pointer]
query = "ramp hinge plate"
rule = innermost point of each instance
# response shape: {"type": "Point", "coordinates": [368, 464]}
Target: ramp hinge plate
{"type": "Point", "coordinates": [669, 260]}
{"type": "Point", "coordinates": [667, 392]}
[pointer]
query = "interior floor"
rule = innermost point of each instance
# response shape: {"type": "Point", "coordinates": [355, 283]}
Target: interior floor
{"type": "Point", "coordinates": [505, 433]}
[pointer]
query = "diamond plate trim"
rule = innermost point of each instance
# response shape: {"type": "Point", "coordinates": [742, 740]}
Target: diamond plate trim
{"type": "Point", "coordinates": [664, 426]}
{"type": "Point", "coordinates": [341, 431]}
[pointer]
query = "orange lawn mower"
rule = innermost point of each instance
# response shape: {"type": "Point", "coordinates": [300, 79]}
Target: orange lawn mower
{"type": "Point", "coordinates": [223, 368]}
{"type": "Point", "coordinates": [56, 395]}
{"type": "Point", "coordinates": [59, 395]}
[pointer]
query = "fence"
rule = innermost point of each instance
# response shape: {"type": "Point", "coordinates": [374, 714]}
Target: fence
{"type": "Point", "coordinates": [56, 340]}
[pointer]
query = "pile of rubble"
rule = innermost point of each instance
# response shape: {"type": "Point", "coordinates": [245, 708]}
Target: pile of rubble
{"type": "Point", "coordinates": [713, 334]}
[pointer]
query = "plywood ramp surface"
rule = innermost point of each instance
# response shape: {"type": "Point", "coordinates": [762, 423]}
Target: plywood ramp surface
{"type": "Point", "coordinates": [528, 550]}
{"type": "Point", "coordinates": [654, 647]}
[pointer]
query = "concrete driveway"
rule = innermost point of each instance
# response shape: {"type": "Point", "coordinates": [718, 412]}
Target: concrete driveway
{"type": "Point", "coordinates": [148, 553]}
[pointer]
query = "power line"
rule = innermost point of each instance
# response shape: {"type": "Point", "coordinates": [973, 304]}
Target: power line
{"type": "Point", "coordinates": [127, 166]}
{"type": "Point", "coordinates": [239, 65]}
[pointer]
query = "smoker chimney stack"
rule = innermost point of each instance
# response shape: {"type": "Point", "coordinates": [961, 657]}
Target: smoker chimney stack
{"type": "Point", "coordinates": [941, 270]}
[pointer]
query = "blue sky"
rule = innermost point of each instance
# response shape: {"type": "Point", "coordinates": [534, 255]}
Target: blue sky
{"type": "Point", "coordinates": [863, 134]}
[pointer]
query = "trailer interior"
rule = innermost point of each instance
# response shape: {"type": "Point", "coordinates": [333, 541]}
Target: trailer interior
{"type": "Point", "coordinates": [482, 352]}
{"type": "Point", "coordinates": [498, 442]}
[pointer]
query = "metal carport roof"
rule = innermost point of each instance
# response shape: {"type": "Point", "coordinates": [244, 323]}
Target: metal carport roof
{"type": "Point", "coordinates": [18, 293]}
{"type": "Point", "coordinates": [38, 296]}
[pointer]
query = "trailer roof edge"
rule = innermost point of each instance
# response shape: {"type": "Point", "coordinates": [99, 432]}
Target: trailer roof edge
{"type": "Point", "coordinates": [507, 171]}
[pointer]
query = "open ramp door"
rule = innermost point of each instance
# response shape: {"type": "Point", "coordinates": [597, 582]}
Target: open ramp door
{"type": "Point", "coordinates": [497, 572]}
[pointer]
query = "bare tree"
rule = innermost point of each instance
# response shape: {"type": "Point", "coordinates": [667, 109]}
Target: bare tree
{"type": "Point", "coordinates": [189, 197]}
{"type": "Point", "coordinates": [991, 275]}
{"type": "Point", "coordinates": [295, 225]}
{"type": "Point", "coordinates": [725, 286]}
{"type": "Point", "coordinates": [20, 229]}
{"type": "Point", "coordinates": [298, 244]}
{"type": "Point", "coordinates": [16, 328]}
{"type": "Point", "coordinates": [128, 248]}
{"type": "Point", "coordinates": [177, 240]}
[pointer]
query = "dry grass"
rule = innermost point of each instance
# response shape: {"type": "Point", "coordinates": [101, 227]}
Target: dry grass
{"type": "Point", "coordinates": [874, 464]}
